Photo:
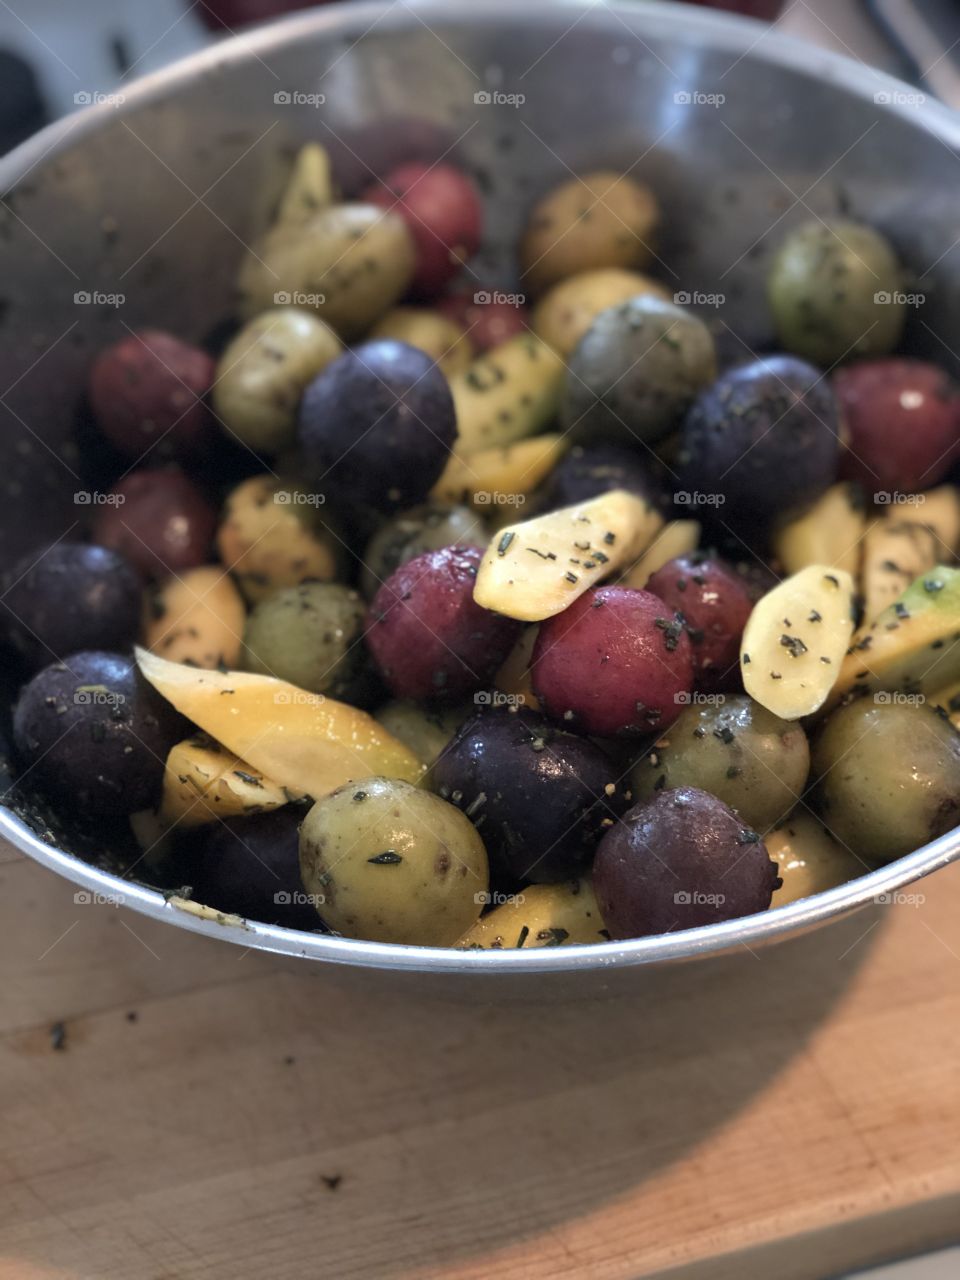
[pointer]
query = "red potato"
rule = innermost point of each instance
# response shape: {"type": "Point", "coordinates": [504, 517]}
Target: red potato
{"type": "Point", "coordinates": [441, 207]}
{"type": "Point", "coordinates": [618, 661]}
{"type": "Point", "coordinates": [903, 422]}
{"type": "Point", "coordinates": [159, 520]}
{"type": "Point", "coordinates": [427, 634]}
{"type": "Point", "coordinates": [488, 317]}
{"type": "Point", "coordinates": [715, 602]}
{"type": "Point", "coordinates": [147, 396]}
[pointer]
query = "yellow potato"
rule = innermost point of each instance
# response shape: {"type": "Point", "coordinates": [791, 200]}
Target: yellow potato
{"type": "Point", "coordinates": [500, 477]}
{"type": "Point", "coordinates": [538, 568]}
{"type": "Point", "coordinates": [677, 538]}
{"type": "Point", "coordinates": [810, 860]}
{"type": "Point", "coordinates": [441, 338]}
{"type": "Point", "coordinates": [510, 392]}
{"type": "Point", "coordinates": [310, 186]}
{"type": "Point", "coordinates": [202, 782]}
{"type": "Point", "coordinates": [303, 741]}
{"type": "Point", "coordinates": [601, 219]}
{"type": "Point", "coordinates": [198, 618]}
{"type": "Point", "coordinates": [541, 915]}
{"type": "Point", "coordinates": [514, 678]}
{"type": "Point", "coordinates": [565, 312]}
{"type": "Point", "coordinates": [895, 552]}
{"type": "Point", "coordinates": [829, 532]}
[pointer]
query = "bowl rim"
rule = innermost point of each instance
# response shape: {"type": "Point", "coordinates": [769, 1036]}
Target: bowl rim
{"type": "Point", "coordinates": [739, 35]}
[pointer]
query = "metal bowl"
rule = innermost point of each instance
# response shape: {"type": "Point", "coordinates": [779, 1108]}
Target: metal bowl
{"type": "Point", "coordinates": [741, 131]}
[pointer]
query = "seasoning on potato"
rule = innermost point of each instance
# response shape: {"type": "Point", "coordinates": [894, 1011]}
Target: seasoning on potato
{"type": "Point", "coordinates": [197, 618]}
{"type": "Point", "coordinates": [567, 310]}
{"type": "Point", "coordinates": [542, 915]}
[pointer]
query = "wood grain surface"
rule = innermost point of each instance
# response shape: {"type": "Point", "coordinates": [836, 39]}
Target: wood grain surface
{"type": "Point", "coordinates": [174, 1107]}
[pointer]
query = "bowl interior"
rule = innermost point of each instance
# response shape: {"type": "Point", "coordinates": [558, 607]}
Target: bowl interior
{"type": "Point", "coordinates": [137, 213]}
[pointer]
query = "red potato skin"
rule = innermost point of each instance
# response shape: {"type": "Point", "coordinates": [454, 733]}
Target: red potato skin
{"type": "Point", "coordinates": [617, 662]}
{"type": "Point", "coordinates": [715, 602]}
{"type": "Point", "coordinates": [159, 520]}
{"type": "Point", "coordinates": [441, 207]}
{"type": "Point", "coordinates": [487, 324]}
{"type": "Point", "coordinates": [428, 636]}
{"type": "Point", "coordinates": [903, 422]}
{"type": "Point", "coordinates": [147, 396]}
{"type": "Point", "coordinates": [681, 861]}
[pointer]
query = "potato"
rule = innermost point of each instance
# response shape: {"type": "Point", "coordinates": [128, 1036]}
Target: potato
{"type": "Point", "coordinates": [504, 476]}
{"type": "Point", "coordinates": [828, 532]}
{"type": "Point", "coordinates": [441, 338]}
{"type": "Point", "coordinates": [263, 372]}
{"type": "Point", "coordinates": [197, 618]}
{"type": "Point", "coordinates": [542, 915]}
{"type": "Point", "coordinates": [271, 540]}
{"type": "Point", "coordinates": [795, 641]}
{"type": "Point", "coordinates": [677, 538]}
{"type": "Point", "coordinates": [939, 510]}
{"type": "Point", "coordinates": [305, 742]}
{"type": "Point", "coordinates": [310, 186]}
{"type": "Point", "coordinates": [810, 860]}
{"type": "Point", "coordinates": [507, 394]}
{"type": "Point", "coordinates": [203, 783]}
{"type": "Point", "coordinates": [423, 727]}
{"type": "Point", "coordinates": [895, 552]}
{"type": "Point", "coordinates": [601, 219]}
{"type": "Point", "coordinates": [393, 863]}
{"type": "Point", "coordinates": [514, 678]}
{"type": "Point", "coordinates": [536, 569]}
{"type": "Point", "coordinates": [565, 312]}
{"type": "Point", "coordinates": [350, 261]}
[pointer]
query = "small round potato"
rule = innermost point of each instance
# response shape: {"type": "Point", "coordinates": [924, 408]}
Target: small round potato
{"type": "Point", "coordinates": [541, 915]}
{"type": "Point", "coordinates": [350, 262]}
{"type": "Point", "coordinates": [424, 728]}
{"type": "Point", "coordinates": [262, 374]}
{"type": "Point", "coordinates": [392, 863]}
{"type": "Point", "coordinates": [197, 618]}
{"type": "Point", "coordinates": [601, 219]}
{"type": "Point", "coordinates": [270, 540]}
{"type": "Point", "coordinates": [810, 860]}
{"type": "Point", "coordinates": [429, 527]}
{"type": "Point", "coordinates": [309, 636]}
{"type": "Point", "coordinates": [565, 312]}
{"type": "Point", "coordinates": [441, 338]}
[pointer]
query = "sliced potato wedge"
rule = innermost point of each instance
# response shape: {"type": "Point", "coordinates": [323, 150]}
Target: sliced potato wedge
{"type": "Point", "coordinates": [677, 538]}
{"type": "Point", "coordinates": [507, 394]}
{"type": "Point", "coordinates": [537, 568]}
{"type": "Point", "coordinates": [542, 915]}
{"type": "Point", "coordinates": [829, 532]}
{"type": "Point", "coordinates": [197, 618]}
{"type": "Point", "coordinates": [795, 640]}
{"type": "Point", "coordinates": [514, 676]}
{"type": "Point", "coordinates": [491, 476]}
{"type": "Point", "coordinates": [310, 187]}
{"type": "Point", "coordinates": [894, 553]}
{"type": "Point", "coordinates": [203, 782]}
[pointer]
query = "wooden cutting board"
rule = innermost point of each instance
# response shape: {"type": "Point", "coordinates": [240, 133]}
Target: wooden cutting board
{"type": "Point", "coordinates": [171, 1107]}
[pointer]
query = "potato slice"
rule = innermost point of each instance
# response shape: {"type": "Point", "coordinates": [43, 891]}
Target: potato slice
{"type": "Point", "coordinates": [203, 782]}
{"type": "Point", "coordinates": [939, 510]}
{"type": "Point", "coordinates": [507, 394]}
{"type": "Point", "coordinates": [310, 187]}
{"type": "Point", "coordinates": [894, 553]}
{"type": "Point", "coordinates": [197, 618]}
{"type": "Point", "coordinates": [810, 860]}
{"type": "Point", "coordinates": [490, 477]}
{"type": "Point", "coordinates": [536, 569]}
{"type": "Point", "coordinates": [542, 915]}
{"type": "Point", "coordinates": [795, 640]}
{"type": "Point", "coordinates": [677, 538]}
{"type": "Point", "coordinates": [514, 677]}
{"type": "Point", "coordinates": [303, 741]}
{"type": "Point", "coordinates": [830, 532]}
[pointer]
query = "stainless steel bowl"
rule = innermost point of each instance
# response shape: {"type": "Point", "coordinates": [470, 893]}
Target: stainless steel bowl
{"type": "Point", "coordinates": [155, 196]}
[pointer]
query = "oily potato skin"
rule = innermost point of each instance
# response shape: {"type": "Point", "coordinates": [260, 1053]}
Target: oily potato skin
{"type": "Point", "coordinates": [600, 219]}
{"type": "Point", "coordinates": [358, 258]}
{"type": "Point", "coordinates": [263, 372]}
{"type": "Point", "coordinates": [393, 863]}
{"type": "Point", "coordinates": [810, 861]}
{"type": "Point", "coordinates": [197, 618]}
{"type": "Point", "coordinates": [568, 309]}
{"type": "Point", "coordinates": [441, 338]}
{"type": "Point", "coordinates": [541, 915]}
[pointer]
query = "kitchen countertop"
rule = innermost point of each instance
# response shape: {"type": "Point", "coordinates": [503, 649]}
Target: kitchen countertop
{"type": "Point", "coordinates": [172, 1107]}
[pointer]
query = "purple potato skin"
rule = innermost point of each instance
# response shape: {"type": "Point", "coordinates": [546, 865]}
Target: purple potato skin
{"type": "Point", "coordinates": [378, 423]}
{"type": "Point", "coordinates": [681, 861]}
{"type": "Point", "coordinates": [244, 863]}
{"type": "Point", "coordinates": [70, 598]}
{"type": "Point", "coordinates": [765, 436]}
{"type": "Point", "coordinates": [536, 793]}
{"type": "Point", "coordinates": [95, 734]}
{"type": "Point", "coordinates": [590, 470]}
